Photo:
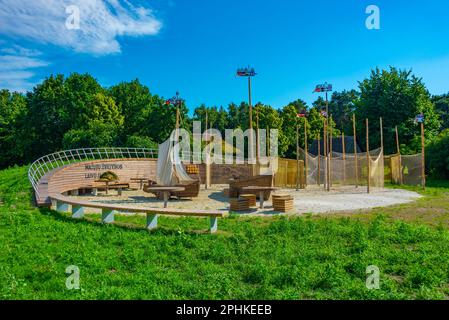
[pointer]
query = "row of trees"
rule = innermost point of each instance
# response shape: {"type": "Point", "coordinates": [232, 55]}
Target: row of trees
{"type": "Point", "coordinates": [76, 111]}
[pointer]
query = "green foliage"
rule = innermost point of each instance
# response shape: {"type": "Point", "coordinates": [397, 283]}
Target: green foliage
{"type": "Point", "coordinates": [437, 156]}
{"type": "Point", "coordinates": [250, 258]}
{"type": "Point", "coordinates": [136, 141]}
{"type": "Point", "coordinates": [135, 104]}
{"type": "Point", "coordinates": [442, 107]}
{"type": "Point", "coordinates": [76, 111]}
{"type": "Point", "coordinates": [109, 175]}
{"type": "Point", "coordinates": [96, 134]}
{"type": "Point", "coordinates": [103, 109]}
{"type": "Point", "coordinates": [341, 107]}
{"type": "Point", "coordinates": [12, 112]}
{"type": "Point", "coordinates": [398, 97]}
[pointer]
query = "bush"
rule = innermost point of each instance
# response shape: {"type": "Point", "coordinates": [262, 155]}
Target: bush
{"type": "Point", "coordinates": [437, 156]}
{"type": "Point", "coordinates": [141, 142]}
{"type": "Point", "coordinates": [109, 175]}
{"type": "Point", "coordinates": [97, 134]}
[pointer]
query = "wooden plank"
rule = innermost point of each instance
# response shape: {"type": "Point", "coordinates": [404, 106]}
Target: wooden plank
{"type": "Point", "coordinates": [123, 208]}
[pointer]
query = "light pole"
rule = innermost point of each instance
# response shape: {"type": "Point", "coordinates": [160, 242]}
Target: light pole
{"type": "Point", "coordinates": [249, 73]}
{"type": "Point", "coordinates": [177, 102]}
{"type": "Point", "coordinates": [325, 87]}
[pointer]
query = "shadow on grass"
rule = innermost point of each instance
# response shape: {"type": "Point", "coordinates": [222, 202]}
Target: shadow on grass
{"type": "Point", "coordinates": [128, 226]}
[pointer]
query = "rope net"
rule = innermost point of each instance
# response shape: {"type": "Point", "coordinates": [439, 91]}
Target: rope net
{"type": "Point", "coordinates": [346, 169]}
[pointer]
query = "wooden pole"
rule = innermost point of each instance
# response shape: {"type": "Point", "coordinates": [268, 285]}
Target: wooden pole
{"type": "Point", "coordinates": [251, 138]}
{"type": "Point", "coordinates": [297, 155]}
{"type": "Point", "coordinates": [343, 145]}
{"type": "Point", "coordinates": [306, 160]}
{"type": "Point", "coordinates": [398, 150]}
{"type": "Point", "coordinates": [381, 136]}
{"type": "Point", "coordinates": [177, 117]}
{"type": "Point", "coordinates": [257, 134]}
{"type": "Point", "coordinates": [423, 157]}
{"type": "Point", "coordinates": [330, 153]}
{"type": "Point", "coordinates": [268, 141]}
{"type": "Point", "coordinates": [368, 158]}
{"type": "Point", "coordinates": [319, 159]}
{"type": "Point", "coordinates": [325, 155]}
{"type": "Point", "coordinates": [207, 160]}
{"type": "Point", "coordinates": [355, 152]}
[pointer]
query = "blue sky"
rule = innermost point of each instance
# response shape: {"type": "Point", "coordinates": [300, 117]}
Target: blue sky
{"type": "Point", "coordinates": [196, 46]}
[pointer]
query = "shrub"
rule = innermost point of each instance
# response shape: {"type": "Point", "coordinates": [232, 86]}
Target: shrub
{"type": "Point", "coordinates": [109, 175]}
{"type": "Point", "coordinates": [437, 156]}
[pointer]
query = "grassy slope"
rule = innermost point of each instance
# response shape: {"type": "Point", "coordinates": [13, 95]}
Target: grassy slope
{"type": "Point", "coordinates": [251, 258]}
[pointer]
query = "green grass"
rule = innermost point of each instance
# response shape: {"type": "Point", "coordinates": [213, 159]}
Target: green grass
{"type": "Point", "coordinates": [309, 257]}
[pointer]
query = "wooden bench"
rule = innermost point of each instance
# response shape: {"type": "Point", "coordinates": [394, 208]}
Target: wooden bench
{"type": "Point", "coordinates": [108, 211]}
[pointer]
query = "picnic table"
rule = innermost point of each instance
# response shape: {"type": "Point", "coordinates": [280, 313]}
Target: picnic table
{"type": "Point", "coordinates": [261, 190]}
{"type": "Point", "coordinates": [107, 185]}
{"type": "Point", "coordinates": [165, 191]}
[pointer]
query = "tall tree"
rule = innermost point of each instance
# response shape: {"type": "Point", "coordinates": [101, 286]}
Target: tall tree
{"type": "Point", "coordinates": [341, 107]}
{"type": "Point", "coordinates": [134, 101]}
{"type": "Point", "coordinates": [12, 111]}
{"type": "Point", "coordinates": [397, 96]}
{"type": "Point", "coordinates": [442, 106]}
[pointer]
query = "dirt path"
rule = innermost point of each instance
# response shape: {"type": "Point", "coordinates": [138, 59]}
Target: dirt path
{"type": "Point", "coordinates": [312, 200]}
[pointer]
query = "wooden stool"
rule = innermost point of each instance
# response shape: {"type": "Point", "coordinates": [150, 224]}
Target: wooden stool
{"type": "Point", "coordinates": [283, 203]}
{"type": "Point", "coordinates": [239, 205]}
{"type": "Point", "coordinates": [251, 199]}
{"type": "Point", "coordinates": [281, 196]}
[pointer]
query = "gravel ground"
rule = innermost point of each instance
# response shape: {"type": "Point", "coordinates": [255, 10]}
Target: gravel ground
{"type": "Point", "coordinates": [312, 200]}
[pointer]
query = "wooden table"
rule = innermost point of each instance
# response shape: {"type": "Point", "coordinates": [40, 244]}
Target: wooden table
{"type": "Point", "coordinates": [165, 191]}
{"type": "Point", "coordinates": [106, 181]}
{"type": "Point", "coordinates": [261, 191]}
{"type": "Point", "coordinates": [141, 180]}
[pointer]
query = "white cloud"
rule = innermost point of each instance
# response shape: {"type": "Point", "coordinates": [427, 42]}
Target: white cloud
{"type": "Point", "coordinates": [16, 65]}
{"type": "Point", "coordinates": [101, 22]}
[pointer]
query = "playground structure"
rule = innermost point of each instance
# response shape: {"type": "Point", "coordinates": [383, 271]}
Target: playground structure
{"type": "Point", "coordinates": [73, 173]}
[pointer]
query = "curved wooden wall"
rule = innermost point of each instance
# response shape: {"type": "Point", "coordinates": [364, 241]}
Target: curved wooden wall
{"type": "Point", "coordinates": [83, 174]}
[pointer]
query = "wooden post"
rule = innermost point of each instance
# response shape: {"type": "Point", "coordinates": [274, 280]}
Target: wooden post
{"type": "Point", "coordinates": [343, 145]}
{"type": "Point", "coordinates": [251, 136]}
{"type": "Point", "coordinates": [329, 184]}
{"type": "Point", "coordinates": [423, 157]}
{"type": "Point", "coordinates": [368, 158]}
{"type": "Point", "coordinates": [306, 161]}
{"type": "Point", "coordinates": [207, 161]}
{"type": "Point", "coordinates": [355, 152]}
{"type": "Point", "coordinates": [268, 141]}
{"type": "Point", "coordinates": [398, 150]}
{"type": "Point", "coordinates": [381, 137]}
{"type": "Point", "coordinates": [177, 117]}
{"type": "Point", "coordinates": [297, 156]}
{"type": "Point", "coordinates": [319, 159]}
{"type": "Point", "coordinates": [325, 155]}
{"type": "Point", "coordinates": [257, 135]}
